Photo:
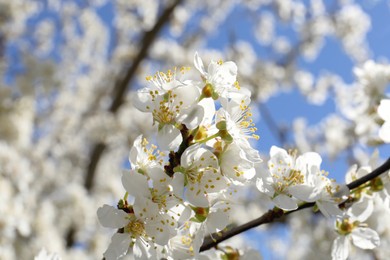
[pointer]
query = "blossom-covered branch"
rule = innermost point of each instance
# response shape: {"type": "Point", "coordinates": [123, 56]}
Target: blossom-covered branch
{"type": "Point", "coordinates": [216, 238]}
{"type": "Point", "coordinates": [183, 188]}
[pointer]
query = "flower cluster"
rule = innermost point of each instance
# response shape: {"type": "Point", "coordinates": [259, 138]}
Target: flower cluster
{"type": "Point", "coordinates": [180, 190]}
{"type": "Point", "coordinates": [292, 180]}
{"type": "Point", "coordinates": [354, 225]}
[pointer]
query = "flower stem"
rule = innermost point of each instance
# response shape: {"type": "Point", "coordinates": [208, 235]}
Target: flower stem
{"type": "Point", "coordinates": [208, 138]}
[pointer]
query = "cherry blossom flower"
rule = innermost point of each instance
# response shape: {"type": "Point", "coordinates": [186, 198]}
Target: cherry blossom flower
{"type": "Point", "coordinates": [351, 230]}
{"type": "Point", "coordinates": [140, 228]}
{"type": "Point", "coordinates": [281, 177]}
{"type": "Point", "coordinates": [200, 174]}
{"type": "Point", "coordinates": [137, 185]}
{"type": "Point", "coordinates": [187, 244]}
{"type": "Point", "coordinates": [317, 187]}
{"type": "Point", "coordinates": [169, 99]}
{"type": "Point", "coordinates": [235, 165]}
{"type": "Point", "coordinates": [220, 78]}
{"type": "Point", "coordinates": [236, 119]}
{"type": "Point", "coordinates": [145, 159]}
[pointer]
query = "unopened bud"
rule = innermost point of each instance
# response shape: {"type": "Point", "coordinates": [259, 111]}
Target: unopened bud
{"type": "Point", "coordinates": [221, 125]}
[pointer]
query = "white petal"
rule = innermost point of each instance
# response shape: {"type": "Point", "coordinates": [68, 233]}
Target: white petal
{"type": "Point", "coordinates": [224, 74]}
{"type": "Point", "coordinates": [250, 153]}
{"type": "Point", "coordinates": [329, 209]}
{"type": "Point", "coordinates": [209, 110]}
{"type": "Point", "coordinates": [213, 181]}
{"type": "Point", "coordinates": [279, 157]}
{"type": "Point", "coordinates": [196, 197]}
{"type": "Point", "coordinates": [145, 208]}
{"type": "Point", "coordinates": [340, 248]}
{"type": "Point", "coordinates": [159, 177]}
{"type": "Point", "coordinates": [236, 95]}
{"type": "Point", "coordinates": [143, 250]}
{"type": "Point", "coordinates": [362, 210]}
{"type": "Point", "coordinates": [177, 184]}
{"type": "Point", "coordinates": [308, 160]}
{"type": "Point", "coordinates": [162, 228]}
{"type": "Point", "coordinates": [143, 101]}
{"type": "Point", "coordinates": [135, 183]}
{"type": "Point", "coordinates": [363, 171]}
{"type": "Point", "coordinates": [216, 221]}
{"type": "Point", "coordinates": [285, 202]}
{"type": "Point", "coordinates": [134, 151]}
{"type": "Point", "coordinates": [192, 117]}
{"type": "Point", "coordinates": [264, 187]}
{"type": "Point", "coordinates": [169, 138]}
{"type": "Point", "coordinates": [277, 150]}
{"type": "Point", "coordinates": [111, 217]}
{"type": "Point", "coordinates": [212, 68]}
{"type": "Point", "coordinates": [189, 155]}
{"type": "Point", "coordinates": [384, 109]}
{"type": "Point", "coordinates": [185, 96]}
{"type": "Point", "coordinates": [199, 64]}
{"type": "Point", "coordinates": [199, 157]}
{"type": "Point", "coordinates": [384, 132]}
{"type": "Point", "coordinates": [350, 175]}
{"type": "Point", "coordinates": [304, 192]}
{"type": "Point", "coordinates": [118, 247]}
{"type": "Point", "coordinates": [185, 215]}
{"type": "Point", "coordinates": [365, 238]}
{"type": "Point", "coordinates": [181, 247]}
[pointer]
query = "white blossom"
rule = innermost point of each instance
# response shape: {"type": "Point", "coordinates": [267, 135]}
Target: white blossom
{"type": "Point", "coordinates": [384, 113]}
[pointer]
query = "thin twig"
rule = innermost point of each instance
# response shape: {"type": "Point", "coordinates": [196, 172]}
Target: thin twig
{"type": "Point", "coordinates": [216, 238]}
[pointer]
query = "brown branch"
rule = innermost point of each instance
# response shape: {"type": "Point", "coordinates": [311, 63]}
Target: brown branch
{"type": "Point", "coordinates": [121, 86]}
{"type": "Point", "coordinates": [216, 238]}
{"type": "Point", "coordinates": [146, 42]}
{"type": "Point", "coordinates": [375, 173]}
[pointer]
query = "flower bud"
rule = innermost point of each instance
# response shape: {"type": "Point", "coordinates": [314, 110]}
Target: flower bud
{"type": "Point", "coordinates": [221, 125]}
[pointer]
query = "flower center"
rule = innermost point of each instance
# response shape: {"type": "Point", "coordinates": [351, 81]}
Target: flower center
{"type": "Point", "coordinates": [345, 226]}
{"type": "Point", "coordinates": [136, 228]}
